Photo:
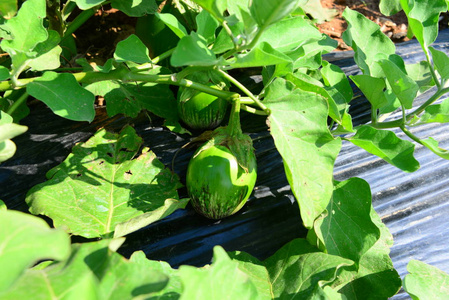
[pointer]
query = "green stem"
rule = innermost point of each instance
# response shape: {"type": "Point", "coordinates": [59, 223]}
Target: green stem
{"type": "Point", "coordinates": [17, 103]}
{"type": "Point", "coordinates": [246, 91]}
{"type": "Point", "coordinates": [432, 69]}
{"type": "Point", "coordinates": [410, 135]}
{"type": "Point", "coordinates": [252, 110]}
{"type": "Point", "coordinates": [155, 60]}
{"type": "Point", "coordinates": [79, 20]}
{"type": "Point", "coordinates": [419, 110]}
{"type": "Point", "coordinates": [67, 10]}
{"type": "Point", "coordinates": [234, 126]}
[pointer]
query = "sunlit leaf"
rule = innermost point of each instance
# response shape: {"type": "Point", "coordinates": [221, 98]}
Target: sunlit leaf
{"type": "Point", "coordinates": [132, 49]}
{"type": "Point", "coordinates": [192, 50]}
{"type": "Point", "coordinates": [262, 55]}
{"type": "Point", "coordinates": [433, 145]}
{"type": "Point", "coordinates": [426, 281]}
{"type": "Point", "coordinates": [206, 26]}
{"type": "Point", "coordinates": [65, 97]}
{"type": "Point", "coordinates": [269, 12]}
{"type": "Point", "coordinates": [173, 23]}
{"type": "Point", "coordinates": [25, 240]}
{"type": "Point", "coordinates": [135, 8]}
{"type": "Point", "coordinates": [214, 7]}
{"type": "Point", "coordinates": [441, 61]}
{"type": "Point", "coordinates": [104, 182]}
{"type": "Point", "coordinates": [388, 146]}
{"type": "Point", "coordinates": [298, 123]}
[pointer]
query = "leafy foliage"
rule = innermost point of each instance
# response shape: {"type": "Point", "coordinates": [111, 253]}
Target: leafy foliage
{"type": "Point", "coordinates": [110, 185]}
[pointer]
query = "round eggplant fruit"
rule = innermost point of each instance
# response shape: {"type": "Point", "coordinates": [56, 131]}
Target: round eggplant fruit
{"type": "Point", "coordinates": [200, 110]}
{"type": "Point", "coordinates": [217, 185]}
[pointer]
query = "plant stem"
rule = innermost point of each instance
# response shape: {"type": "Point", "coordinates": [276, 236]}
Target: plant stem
{"type": "Point", "coordinates": [419, 110]}
{"type": "Point", "coordinates": [234, 119]}
{"type": "Point", "coordinates": [155, 60]}
{"type": "Point", "coordinates": [410, 135]}
{"type": "Point", "coordinates": [432, 69]}
{"type": "Point", "coordinates": [79, 20]}
{"type": "Point", "coordinates": [17, 103]}
{"type": "Point", "coordinates": [252, 110]}
{"type": "Point", "coordinates": [246, 91]}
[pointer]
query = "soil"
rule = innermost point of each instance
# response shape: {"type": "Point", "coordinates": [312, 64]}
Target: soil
{"type": "Point", "coordinates": [394, 26]}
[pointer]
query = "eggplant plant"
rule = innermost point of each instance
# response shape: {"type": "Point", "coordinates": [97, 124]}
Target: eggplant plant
{"type": "Point", "coordinates": [110, 185]}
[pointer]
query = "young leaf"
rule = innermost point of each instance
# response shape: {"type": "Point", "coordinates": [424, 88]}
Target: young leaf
{"type": "Point", "coordinates": [388, 146]}
{"type": "Point", "coordinates": [262, 55]}
{"type": "Point", "coordinates": [8, 130]}
{"type": "Point", "coordinates": [222, 280]}
{"type": "Point", "coordinates": [402, 85]}
{"type": "Point", "coordinates": [298, 124]}
{"type": "Point", "coordinates": [349, 208]}
{"type": "Point", "coordinates": [298, 269]}
{"type": "Point", "coordinates": [390, 7]}
{"type": "Point", "coordinates": [420, 72]}
{"type": "Point", "coordinates": [206, 26]}
{"type": "Point", "coordinates": [441, 61]}
{"type": "Point", "coordinates": [192, 50]}
{"type": "Point", "coordinates": [423, 17]}
{"type": "Point", "coordinates": [433, 145]}
{"type": "Point", "coordinates": [438, 113]}
{"type": "Point", "coordinates": [426, 281]}
{"type": "Point", "coordinates": [100, 185]}
{"type": "Point", "coordinates": [368, 42]}
{"type": "Point", "coordinates": [268, 12]}
{"type": "Point", "coordinates": [132, 49]}
{"type": "Point", "coordinates": [373, 89]}
{"type": "Point", "coordinates": [173, 23]}
{"type": "Point", "coordinates": [26, 28]}
{"type": "Point", "coordinates": [65, 97]}
{"type": "Point", "coordinates": [135, 8]}
{"type": "Point", "coordinates": [46, 55]}
{"type": "Point", "coordinates": [376, 277]}
{"type": "Point", "coordinates": [25, 240]}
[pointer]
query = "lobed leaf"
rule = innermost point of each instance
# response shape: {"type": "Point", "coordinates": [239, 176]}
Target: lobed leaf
{"type": "Point", "coordinates": [261, 55]}
{"type": "Point", "coordinates": [373, 89]}
{"type": "Point", "coordinates": [433, 145]}
{"type": "Point", "coordinates": [25, 240]}
{"type": "Point", "coordinates": [347, 229]}
{"type": "Point", "coordinates": [100, 185]}
{"type": "Point", "coordinates": [298, 124]}
{"type": "Point", "coordinates": [64, 96]}
{"type": "Point", "coordinates": [268, 12]}
{"type": "Point", "coordinates": [388, 146]}
{"type": "Point", "coordinates": [426, 281]}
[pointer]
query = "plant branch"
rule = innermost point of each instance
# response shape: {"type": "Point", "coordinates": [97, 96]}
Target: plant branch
{"type": "Point", "coordinates": [79, 20]}
{"type": "Point", "coordinates": [246, 91]}
{"type": "Point", "coordinates": [410, 135]}
{"type": "Point", "coordinates": [252, 110]}
{"type": "Point", "coordinates": [17, 103]}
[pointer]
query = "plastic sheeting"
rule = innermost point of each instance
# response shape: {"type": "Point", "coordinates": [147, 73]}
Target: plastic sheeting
{"type": "Point", "coordinates": [413, 206]}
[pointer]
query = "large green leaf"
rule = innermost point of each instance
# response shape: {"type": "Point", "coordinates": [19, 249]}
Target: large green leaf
{"type": "Point", "coordinates": [334, 77]}
{"type": "Point", "coordinates": [298, 123]}
{"type": "Point", "coordinates": [426, 281]}
{"type": "Point", "coordinates": [101, 185]}
{"type": "Point", "coordinates": [376, 277]}
{"type": "Point", "coordinates": [24, 241]}
{"type": "Point", "coordinates": [26, 28]}
{"type": "Point", "coordinates": [402, 85]}
{"type": "Point", "coordinates": [192, 50]}
{"type": "Point", "coordinates": [222, 280]}
{"type": "Point", "coordinates": [62, 93]}
{"type": "Point", "coordinates": [297, 270]}
{"type": "Point", "coordinates": [206, 26]}
{"type": "Point", "coordinates": [132, 49]}
{"type": "Point", "coordinates": [268, 12]}
{"type": "Point", "coordinates": [173, 23]}
{"type": "Point", "coordinates": [368, 42]}
{"type": "Point", "coordinates": [423, 17]}
{"type": "Point", "coordinates": [347, 229]}
{"type": "Point", "coordinates": [47, 54]}
{"type": "Point", "coordinates": [388, 146]}
{"type": "Point", "coordinates": [135, 8]}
